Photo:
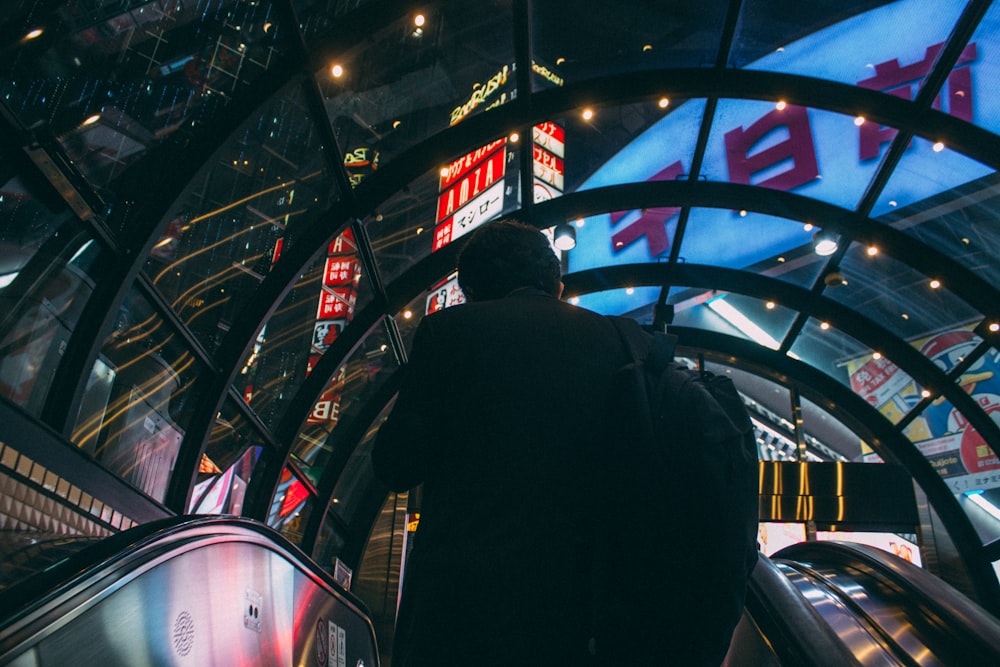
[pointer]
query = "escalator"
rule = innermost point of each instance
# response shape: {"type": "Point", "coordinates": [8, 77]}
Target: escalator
{"type": "Point", "coordinates": [827, 603]}
{"type": "Point", "coordinates": [191, 591]}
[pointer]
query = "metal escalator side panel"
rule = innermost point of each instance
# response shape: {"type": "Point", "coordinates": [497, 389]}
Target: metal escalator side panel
{"type": "Point", "coordinates": [221, 596]}
{"type": "Point", "coordinates": [796, 633]}
{"type": "Point", "coordinates": [947, 623]}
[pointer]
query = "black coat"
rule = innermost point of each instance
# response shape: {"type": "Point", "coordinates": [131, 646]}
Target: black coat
{"type": "Point", "coordinates": [502, 418]}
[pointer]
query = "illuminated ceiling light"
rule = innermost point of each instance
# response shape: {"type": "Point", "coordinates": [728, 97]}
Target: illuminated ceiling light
{"type": "Point", "coordinates": [824, 243]}
{"type": "Point", "coordinates": [420, 230]}
{"type": "Point", "coordinates": [337, 71]}
{"type": "Point", "coordinates": [743, 323]}
{"type": "Point", "coordinates": [630, 290]}
{"type": "Point", "coordinates": [825, 326]}
{"type": "Point", "coordinates": [579, 222]}
{"type": "Point", "coordinates": [926, 393]}
{"type": "Point", "coordinates": [588, 113]}
{"type": "Point", "coordinates": [564, 237]}
{"type": "Point", "coordinates": [407, 314]}
{"type": "Point", "coordinates": [647, 47]}
{"type": "Point", "coordinates": [905, 316]}
{"type": "Point", "coordinates": [781, 260]}
{"type": "Point", "coordinates": [965, 240]}
{"type": "Point", "coordinates": [859, 120]}
{"type": "Point", "coordinates": [935, 283]}
{"type": "Point", "coordinates": [743, 213]}
{"type": "Point", "coordinates": [396, 123]}
{"type": "Point", "coordinates": [444, 172]}
{"type": "Point", "coordinates": [876, 355]}
{"type": "Point", "coordinates": [892, 202]}
{"type": "Point", "coordinates": [780, 106]}
{"type": "Point", "coordinates": [90, 120]}
{"type": "Point", "coordinates": [560, 60]}
{"type": "Point", "coordinates": [34, 34]}
{"type": "Point", "coordinates": [808, 227]}
{"type": "Point", "coordinates": [664, 102]}
{"type": "Point", "coordinates": [574, 300]}
{"type": "Point", "coordinates": [938, 146]}
{"type": "Point", "coordinates": [770, 305]}
{"type": "Point", "coordinates": [514, 136]}
{"type": "Point", "coordinates": [419, 20]}
{"type": "Point", "coordinates": [994, 327]}
{"type": "Point", "coordinates": [267, 26]}
{"type": "Point", "coordinates": [872, 250]}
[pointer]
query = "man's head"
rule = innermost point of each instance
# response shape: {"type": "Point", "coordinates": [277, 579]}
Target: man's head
{"type": "Point", "coordinates": [503, 256]}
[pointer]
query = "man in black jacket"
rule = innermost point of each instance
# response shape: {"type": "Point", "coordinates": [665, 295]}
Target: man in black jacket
{"type": "Point", "coordinates": [501, 418]}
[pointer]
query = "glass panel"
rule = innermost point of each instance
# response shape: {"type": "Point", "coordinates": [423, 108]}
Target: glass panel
{"type": "Point", "coordinates": [117, 78]}
{"type": "Point", "coordinates": [884, 37]}
{"type": "Point", "coordinates": [955, 449]}
{"type": "Point", "coordinates": [831, 351]}
{"type": "Point", "coordinates": [632, 143]}
{"type": "Point", "coordinates": [609, 38]}
{"type": "Point", "coordinates": [444, 205]}
{"type": "Point", "coordinates": [233, 449]}
{"type": "Point", "coordinates": [785, 147]}
{"type": "Point", "coordinates": [316, 310]}
{"type": "Point", "coordinates": [358, 479]}
{"type": "Point", "coordinates": [47, 271]}
{"type": "Point", "coordinates": [624, 301]}
{"type": "Point", "coordinates": [743, 239]}
{"type": "Point", "coordinates": [895, 296]}
{"type": "Point", "coordinates": [960, 224]}
{"type": "Point", "coordinates": [290, 509]}
{"type": "Point", "coordinates": [828, 436]}
{"type": "Point", "coordinates": [764, 322]}
{"type": "Point", "coordinates": [259, 193]}
{"type": "Point", "coordinates": [329, 543]}
{"type": "Point", "coordinates": [978, 77]}
{"type": "Point", "coordinates": [403, 83]}
{"type": "Point", "coordinates": [983, 510]}
{"type": "Point", "coordinates": [370, 364]}
{"type": "Point", "coordinates": [927, 168]}
{"type": "Point", "coordinates": [140, 398]}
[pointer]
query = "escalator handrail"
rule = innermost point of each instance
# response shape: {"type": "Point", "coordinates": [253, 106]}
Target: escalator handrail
{"type": "Point", "coordinates": [794, 629]}
{"type": "Point", "coordinates": [108, 562]}
{"type": "Point", "coordinates": [966, 620]}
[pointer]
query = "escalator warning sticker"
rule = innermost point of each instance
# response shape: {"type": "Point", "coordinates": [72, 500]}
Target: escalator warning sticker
{"type": "Point", "coordinates": [321, 640]}
{"type": "Point", "coordinates": [337, 645]}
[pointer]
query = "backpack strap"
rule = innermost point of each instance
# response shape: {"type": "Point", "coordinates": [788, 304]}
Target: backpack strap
{"type": "Point", "coordinates": [657, 348]}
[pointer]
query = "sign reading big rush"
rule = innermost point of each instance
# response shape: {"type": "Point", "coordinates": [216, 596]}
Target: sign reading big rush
{"type": "Point", "coordinates": [827, 156]}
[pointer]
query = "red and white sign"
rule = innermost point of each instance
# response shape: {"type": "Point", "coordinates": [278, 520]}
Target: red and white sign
{"type": "Point", "coordinates": [326, 409]}
{"type": "Point", "coordinates": [551, 137]}
{"type": "Point", "coordinates": [340, 271]}
{"type": "Point", "coordinates": [548, 167]}
{"type": "Point", "coordinates": [878, 381]}
{"type": "Point", "coordinates": [464, 164]}
{"type": "Point", "coordinates": [335, 303]}
{"type": "Point", "coordinates": [471, 184]}
{"type": "Point", "coordinates": [483, 208]}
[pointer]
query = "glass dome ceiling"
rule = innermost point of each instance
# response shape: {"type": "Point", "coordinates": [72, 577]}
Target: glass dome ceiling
{"type": "Point", "coordinates": [221, 220]}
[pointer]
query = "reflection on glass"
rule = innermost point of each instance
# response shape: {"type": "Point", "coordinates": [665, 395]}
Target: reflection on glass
{"type": "Point", "coordinates": [927, 168]}
{"type": "Point", "coordinates": [961, 227]}
{"type": "Point", "coordinates": [232, 451]}
{"type": "Point", "coordinates": [121, 77]}
{"type": "Point", "coordinates": [47, 272]}
{"type": "Point", "coordinates": [894, 295]}
{"type": "Point", "coordinates": [826, 432]}
{"type": "Point", "coordinates": [139, 399]}
{"type": "Point", "coordinates": [955, 449]}
{"type": "Point", "coordinates": [343, 397]}
{"type": "Point", "coordinates": [831, 351]}
{"type": "Point", "coordinates": [357, 481]}
{"type": "Point", "coordinates": [401, 83]}
{"type": "Point", "coordinates": [291, 506]}
{"type": "Point", "coordinates": [314, 313]}
{"type": "Point", "coordinates": [243, 209]}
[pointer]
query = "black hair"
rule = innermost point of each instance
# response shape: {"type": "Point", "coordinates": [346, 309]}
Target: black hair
{"type": "Point", "coordinates": [505, 255]}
